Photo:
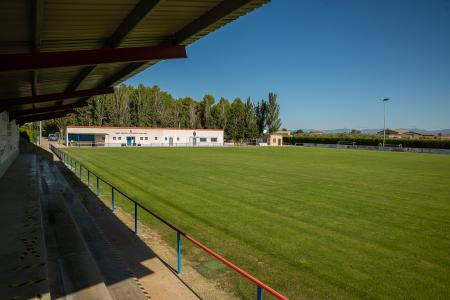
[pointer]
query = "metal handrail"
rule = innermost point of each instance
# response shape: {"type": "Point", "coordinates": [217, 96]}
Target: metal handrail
{"type": "Point", "coordinates": [260, 285]}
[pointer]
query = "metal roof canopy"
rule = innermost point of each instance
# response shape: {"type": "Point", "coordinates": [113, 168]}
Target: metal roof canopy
{"type": "Point", "coordinates": [59, 50]}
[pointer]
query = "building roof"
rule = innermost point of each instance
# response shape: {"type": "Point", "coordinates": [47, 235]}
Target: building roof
{"type": "Point", "coordinates": [54, 55]}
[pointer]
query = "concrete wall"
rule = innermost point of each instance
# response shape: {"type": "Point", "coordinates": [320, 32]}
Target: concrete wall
{"type": "Point", "coordinates": [9, 142]}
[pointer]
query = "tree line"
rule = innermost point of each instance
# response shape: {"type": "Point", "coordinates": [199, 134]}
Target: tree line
{"type": "Point", "coordinates": [144, 106]}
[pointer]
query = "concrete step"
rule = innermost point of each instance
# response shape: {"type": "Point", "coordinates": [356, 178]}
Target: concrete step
{"type": "Point", "coordinates": [73, 273]}
{"type": "Point", "coordinates": [109, 268]}
{"type": "Point", "coordinates": [23, 267]}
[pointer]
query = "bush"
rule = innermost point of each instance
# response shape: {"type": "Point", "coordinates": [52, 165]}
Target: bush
{"type": "Point", "coordinates": [26, 132]}
{"type": "Point", "coordinates": [367, 141]}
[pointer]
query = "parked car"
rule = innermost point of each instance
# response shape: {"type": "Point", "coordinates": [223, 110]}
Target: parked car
{"type": "Point", "coordinates": [52, 137]}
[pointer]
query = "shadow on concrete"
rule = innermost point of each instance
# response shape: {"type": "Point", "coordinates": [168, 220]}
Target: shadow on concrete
{"type": "Point", "coordinates": [23, 267]}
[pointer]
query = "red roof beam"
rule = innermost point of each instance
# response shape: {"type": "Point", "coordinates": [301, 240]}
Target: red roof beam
{"type": "Point", "coordinates": [45, 60]}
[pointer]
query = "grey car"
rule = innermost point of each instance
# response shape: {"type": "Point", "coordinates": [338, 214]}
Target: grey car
{"type": "Point", "coordinates": [52, 137]}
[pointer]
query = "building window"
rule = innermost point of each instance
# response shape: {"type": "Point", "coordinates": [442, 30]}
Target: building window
{"type": "Point", "coordinates": [203, 140]}
{"type": "Point", "coordinates": [103, 138]}
{"type": "Point", "coordinates": [178, 138]}
{"type": "Point", "coordinates": [165, 138]}
{"type": "Point", "coordinates": [119, 138]}
{"type": "Point", "coordinates": [141, 138]}
{"type": "Point", "coordinates": [146, 138]}
{"type": "Point", "coordinates": [214, 140]}
{"type": "Point", "coordinates": [114, 138]}
{"type": "Point", "coordinates": [156, 138]}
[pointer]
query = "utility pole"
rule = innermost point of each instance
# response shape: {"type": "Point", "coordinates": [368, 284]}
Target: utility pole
{"type": "Point", "coordinates": [385, 100]}
{"type": "Point", "coordinates": [40, 133]}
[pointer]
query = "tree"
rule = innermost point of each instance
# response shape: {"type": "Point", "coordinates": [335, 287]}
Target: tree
{"type": "Point", "coordinates": [250, 120]}
{"type": "Point", "coordinates": [119, 112]}
{"type": "Point", "coordinates": [261, 116]}
{"type": "Point", "coordinates": [99, 105]}
{"type": "Point", "coordinates": [137, 105]}
{"type": "Point", "coordinates": [273, 113]}
{"type": "Point", "coordinates": [220, 113]}
{"type": "Point", "coordinates": [187, 114]}
{"type": "Point", "coordinates": [205, 111]}
{"type": "Point", "coordinates": [236, 121]}
{"type": "Point", "coordinates": [192, 114]}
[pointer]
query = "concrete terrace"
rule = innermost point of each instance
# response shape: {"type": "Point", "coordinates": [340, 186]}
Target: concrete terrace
{"type": "Point", "coordinates": [58, 245]}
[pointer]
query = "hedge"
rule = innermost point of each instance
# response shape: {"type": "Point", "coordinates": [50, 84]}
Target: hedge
{"type": "Point", "coordinates": [435, 144]}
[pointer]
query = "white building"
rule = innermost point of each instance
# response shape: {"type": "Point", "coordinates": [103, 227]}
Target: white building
{"type": "Point", "coordinates": [141, 136]}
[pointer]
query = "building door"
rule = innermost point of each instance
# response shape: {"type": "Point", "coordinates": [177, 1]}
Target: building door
{"type": "Point", "coordinates": [129, 141]}
{"type": "Point", "coordinates": [170, 141]}
{"type": "Point", "coordinates": [279, 142]}
{"type": "Point", "coordinates": [194, 141]}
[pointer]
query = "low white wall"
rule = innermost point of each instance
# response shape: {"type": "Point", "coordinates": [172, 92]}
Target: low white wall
{"type": "Point", "coordinates": [9, 142]}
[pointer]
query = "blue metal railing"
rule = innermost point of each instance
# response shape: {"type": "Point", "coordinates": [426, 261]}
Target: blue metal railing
{"type": "Point", "coordinates": [68, 161]}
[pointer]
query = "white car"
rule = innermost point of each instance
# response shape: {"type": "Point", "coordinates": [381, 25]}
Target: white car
{"type": "Point", "coordinates": [52, 137]}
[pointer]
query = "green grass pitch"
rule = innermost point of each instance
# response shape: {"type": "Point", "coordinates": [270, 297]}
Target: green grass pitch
{"type": "Point", "coordinates": [311, 223]}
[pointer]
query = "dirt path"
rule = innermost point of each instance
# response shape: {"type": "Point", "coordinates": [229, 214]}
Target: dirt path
{"type": "Point", "coordinates": [204, 287]}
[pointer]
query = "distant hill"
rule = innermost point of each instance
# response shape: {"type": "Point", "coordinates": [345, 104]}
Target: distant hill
{"type": "Point", "coordinates": [442, 131]}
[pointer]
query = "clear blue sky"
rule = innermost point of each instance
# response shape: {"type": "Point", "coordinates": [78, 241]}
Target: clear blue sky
{"type": "Point", "coordinates": [329, 61]}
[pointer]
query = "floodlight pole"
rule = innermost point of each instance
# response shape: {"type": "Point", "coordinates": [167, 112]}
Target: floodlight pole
{"type": "Point", "coordinates": [40, 133]}
{"type": "Point", "coordinates": [385, 100]}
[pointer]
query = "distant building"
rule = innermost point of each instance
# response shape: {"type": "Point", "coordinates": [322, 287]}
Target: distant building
{"type": "Point", "coordinates": [407, 134]}
{"type": "Point", "coordinates": [275, 140]}
{"type": "Point", "coordinates": [141, 136]}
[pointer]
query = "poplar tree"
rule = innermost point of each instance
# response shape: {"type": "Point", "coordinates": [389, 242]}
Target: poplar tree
{"type": "Point", "coordinates": [250, 120]}
{"type": "Point", "coordinates": [220, 113]}
{"type": "Point", "coordinates": [205, 107]}
{"type": "Point", "coordinates": [261, 115]}
{"type": "Point", "coordinates": [273, 114]}
{"type": "Point", "coordinates": [236, 121]}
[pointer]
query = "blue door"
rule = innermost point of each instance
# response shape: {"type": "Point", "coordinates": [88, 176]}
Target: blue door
{"type": "Point", "coordinates": [129, 141]}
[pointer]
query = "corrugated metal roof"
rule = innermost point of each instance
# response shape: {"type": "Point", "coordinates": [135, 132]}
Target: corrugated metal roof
{"type": "Point", "coordinates": [69, 25]}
